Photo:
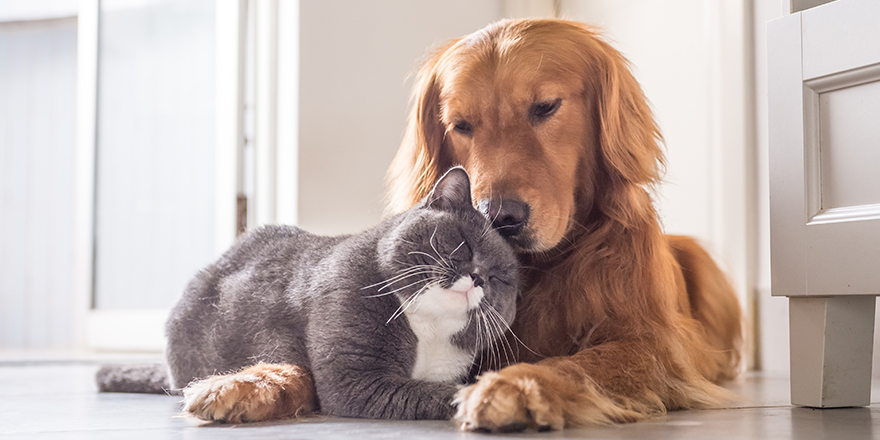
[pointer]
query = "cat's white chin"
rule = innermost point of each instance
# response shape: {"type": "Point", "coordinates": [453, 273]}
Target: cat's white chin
{"type": "Point", "coordinates": [466, 289]}
{"type": "Point", "coordinates": [435, 316]}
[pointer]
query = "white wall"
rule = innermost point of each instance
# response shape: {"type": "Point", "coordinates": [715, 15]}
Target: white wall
{"type": "Point", "coordinates": [355, 58]}
{"type": "Point", "coordinates": [37, 144]}
{"type": "Point", "coordinates": [772, 311]}
{"type": "Point", "coordinates": [13, 10]}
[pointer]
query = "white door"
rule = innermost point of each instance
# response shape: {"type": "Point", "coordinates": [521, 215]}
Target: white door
{"type": "Point", "coordinates": [160, 93]}
{"type": "Point", "coordinates": [824, 83]}
{"type": "Point", "coordinates": [37, 131]}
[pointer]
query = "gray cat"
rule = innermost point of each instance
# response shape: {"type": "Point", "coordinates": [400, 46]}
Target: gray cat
{"type": "Point", "coordinates": [388, 321]}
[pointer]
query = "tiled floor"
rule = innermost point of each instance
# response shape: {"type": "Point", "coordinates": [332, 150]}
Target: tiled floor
{"type": "Point", "coordinates": [47, 400]}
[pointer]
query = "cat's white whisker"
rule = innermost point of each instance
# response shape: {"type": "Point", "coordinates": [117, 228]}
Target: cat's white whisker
{"type": "Point", "coordinates": [416, 270]}
{"type": "Point", "coordinates": [426, 280]}
{"type": "Point", "coordinates": [412, 301]}
{"type": "Point", "coordinates": [457, 248]}
{"type": "Point", "coordinates": [493, 350]}
{"type": "Point", "coordinates": [518, 340]}
{"type": "Point", "coordinates": [488, 223]}
{"type": "Point", "coordinates": [393, 282]}
{"type": "Point", "coordinates": [402, 307]}
{"type": "Point", "coordinates": [475, 351]}
{"type": "Point", "coordinates": [409, 275]}
{"type": "Point", "coordinates": [399, 310]}
{"type": "Point", "coordinates": [431, 242]}
{"type": "Point", "coordinates": [504, 344]}
{"type": "Point", "coordinates": [479, 339]}
{"type": "Point", "coordinates": [406, 304]}
{"type": "Point", "coordinates": [497, 213]}
{"type": "Point", "coordinates": [403, 274]}
{"type": "Point", "coordinates": [498, 337]}
{"type": "Point", "coordinates": [440, 263]}
{"type": "Point", "coordinates": [417, 307]}
{"type": "Point", "coordinates": [411, 266]}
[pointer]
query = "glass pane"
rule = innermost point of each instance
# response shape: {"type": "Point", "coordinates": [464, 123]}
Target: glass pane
{"type": "Point", "coordinates": [155, 161]}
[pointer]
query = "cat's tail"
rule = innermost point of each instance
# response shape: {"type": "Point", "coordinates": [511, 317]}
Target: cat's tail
{"type": "Point", "coordinates": [134, 378]}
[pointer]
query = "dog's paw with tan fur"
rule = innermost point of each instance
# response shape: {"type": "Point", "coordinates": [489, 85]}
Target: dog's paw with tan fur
{"type": "Point", "coordinates": [505, 402]}
{"type": "Point", "coordinates": [543, 397]}
{"type": "Point", "coordinates": [259, 393]}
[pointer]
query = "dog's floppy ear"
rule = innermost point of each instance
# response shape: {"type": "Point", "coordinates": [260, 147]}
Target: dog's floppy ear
{"type": "Point", "coordinates": [629, 139]}
{"type": "Point", "coordinates": [418, 162]}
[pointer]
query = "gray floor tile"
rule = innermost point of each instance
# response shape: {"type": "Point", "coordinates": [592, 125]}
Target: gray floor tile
{"type": "Point", "coordinates": [61, 402]}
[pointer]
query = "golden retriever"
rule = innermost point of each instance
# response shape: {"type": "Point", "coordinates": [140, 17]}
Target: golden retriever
{"type": "Point", "coordinates": [621, 321]}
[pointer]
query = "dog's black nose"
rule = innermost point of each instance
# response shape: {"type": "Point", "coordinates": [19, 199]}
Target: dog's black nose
{"type": "Point", "coordinates": [508, 216]}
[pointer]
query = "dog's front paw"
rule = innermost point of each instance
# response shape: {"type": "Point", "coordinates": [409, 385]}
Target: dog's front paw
{"type": "Point", "coordinates": [259, 393]}
{"type": "Point", "coordinates": [507, 402]}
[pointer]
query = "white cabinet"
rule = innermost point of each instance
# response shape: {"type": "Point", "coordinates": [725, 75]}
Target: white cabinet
{"type": "Point", "coordinates": [824, 106]}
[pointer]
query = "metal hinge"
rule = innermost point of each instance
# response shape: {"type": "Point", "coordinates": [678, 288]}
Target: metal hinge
{"type": "Point", "coordinates": [241, 214]}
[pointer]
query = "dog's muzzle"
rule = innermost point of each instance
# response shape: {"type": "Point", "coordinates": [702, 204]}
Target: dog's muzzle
{"type": "Point", "coordinates": [508, 216]}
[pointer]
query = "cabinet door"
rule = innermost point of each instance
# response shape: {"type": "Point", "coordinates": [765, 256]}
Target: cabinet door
{"type": "Point", "coordinates": [824, 90]}
{"type": "Point", "coordinates": [824, 77]}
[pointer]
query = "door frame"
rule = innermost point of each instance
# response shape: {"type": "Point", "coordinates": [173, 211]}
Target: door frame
{"type": "Point", "coordinates": [143, 329]}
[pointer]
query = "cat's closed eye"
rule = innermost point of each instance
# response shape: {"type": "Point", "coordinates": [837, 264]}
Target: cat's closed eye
{"type": "Point", "coordinates": [462, 253]}
{"type": "Point", "coordinates": [494, 278]}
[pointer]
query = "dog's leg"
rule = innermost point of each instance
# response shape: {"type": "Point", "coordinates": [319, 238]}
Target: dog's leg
{"type": "Point", "coordinates": [621, 381]}
{"type": "Point", "coordinates": [258, 393]}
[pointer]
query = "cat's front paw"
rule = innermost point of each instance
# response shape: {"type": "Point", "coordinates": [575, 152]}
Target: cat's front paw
{"type": "Point", "coordinates": [258, 393]}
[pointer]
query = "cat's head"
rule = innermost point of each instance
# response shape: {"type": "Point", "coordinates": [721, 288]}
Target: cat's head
{"type": "Point", "coordinates": [444, 259]}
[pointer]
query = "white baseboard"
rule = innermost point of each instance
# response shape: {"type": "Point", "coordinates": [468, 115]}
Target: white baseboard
{"type": "Point", "coordinates": [126, 330]}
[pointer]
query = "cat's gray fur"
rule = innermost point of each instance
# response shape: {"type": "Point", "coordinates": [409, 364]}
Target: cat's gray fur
{"type": "Point", "coordinates": [283, 295]}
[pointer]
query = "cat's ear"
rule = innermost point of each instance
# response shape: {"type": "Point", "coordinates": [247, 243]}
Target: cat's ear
{"type": "Point", "coordinates": [452, 191]}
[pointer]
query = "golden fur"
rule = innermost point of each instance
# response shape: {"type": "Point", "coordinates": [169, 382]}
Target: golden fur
{"type": "Point", "coordinates": [628, 322]}
{"type": "Point", "coordinates": [257, 393]}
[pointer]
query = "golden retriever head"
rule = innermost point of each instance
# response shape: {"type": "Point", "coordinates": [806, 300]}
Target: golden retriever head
{"type": "Point", "coordinates": [545, 117]}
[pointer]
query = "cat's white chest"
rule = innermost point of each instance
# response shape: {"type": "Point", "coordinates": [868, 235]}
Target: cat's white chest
{"type": "Point", "coordinates": [435, 318]}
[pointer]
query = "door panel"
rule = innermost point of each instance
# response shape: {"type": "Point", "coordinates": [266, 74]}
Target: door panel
{"type": "Point", "coordinates": [840, 36]}
{"type": "Point", "coordinates": [824, 68]}
{"type": "Point", "coordinates": [787, 172]}
{"type": "Point", "coordinates": [825, 150]}
{"type": "Point", "coordinates": [155, 150]}
{"type": "Point", "coordinates": [37, 147]}
{"type": "Point", "coordinates": [849, 137]}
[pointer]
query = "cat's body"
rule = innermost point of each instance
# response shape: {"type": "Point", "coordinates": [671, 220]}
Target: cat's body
{"type": "Point", "coordinates": [388, 321]}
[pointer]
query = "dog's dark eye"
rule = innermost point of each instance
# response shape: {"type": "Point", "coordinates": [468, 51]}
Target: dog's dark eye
{"type": "Point", "coordinates": [543, 110]}
{"type": "Point", "coordinates": [464, 128]}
